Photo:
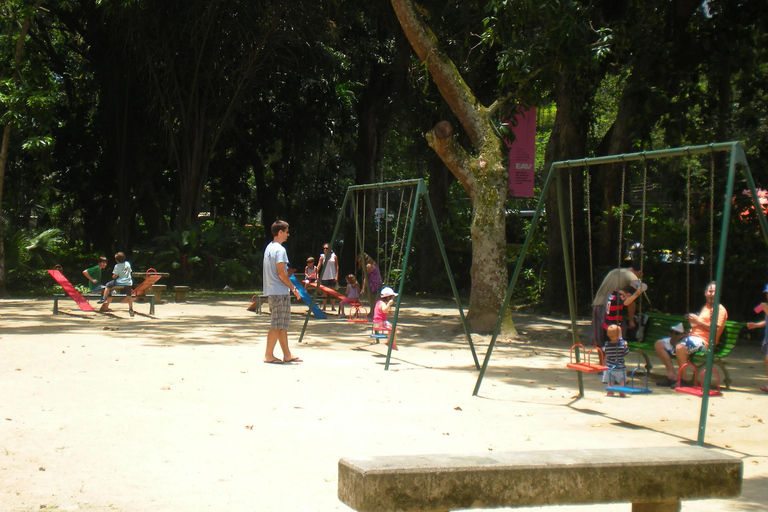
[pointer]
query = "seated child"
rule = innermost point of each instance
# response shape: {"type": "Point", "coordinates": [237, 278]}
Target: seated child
{"type": "Point", "coordinates": [93, 275]}
{"type": "Point", "coordinates": [121, 276]}
{"type": "Point", "coordinates": [381, 312]}
{"type": "Point", "coordinates": [310, 271]}
{"type": "Point", "coordinates": [615, 349]}
{"type": "Point", "coordinates": [353, 293]}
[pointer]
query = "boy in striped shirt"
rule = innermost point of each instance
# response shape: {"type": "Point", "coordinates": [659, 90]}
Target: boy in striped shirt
{"type": "Point", "coordinates": [615, 349]}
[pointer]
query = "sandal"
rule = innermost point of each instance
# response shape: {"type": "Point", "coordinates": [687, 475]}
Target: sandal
{"type": "Point", "coordinates": [764, 389]}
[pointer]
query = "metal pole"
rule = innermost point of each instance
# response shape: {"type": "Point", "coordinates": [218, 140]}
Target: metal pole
{"type": "Point", "coordinates": [450, 275]}
{"type": "Point", "coordinates": [330, 249]}
{"type": "Point", "coordinates": [568, 277]}
{"type": "Point", "coordinates": [393, 333]}
{"type": "Point", "coordinates": [736, 152]}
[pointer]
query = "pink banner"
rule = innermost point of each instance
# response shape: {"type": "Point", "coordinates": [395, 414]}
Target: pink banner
{"type": "Point", "coordinates": [522, 153]}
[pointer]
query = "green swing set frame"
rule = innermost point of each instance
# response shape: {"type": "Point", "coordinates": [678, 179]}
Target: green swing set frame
{"type": "Point", "coordinates": [420, 189]}
{"type": "Point", "coordinates": [737, 159]}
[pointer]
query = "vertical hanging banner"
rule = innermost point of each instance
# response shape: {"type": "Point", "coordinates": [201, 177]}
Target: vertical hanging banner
{"type": "Point", "coordinates": [522, 153]}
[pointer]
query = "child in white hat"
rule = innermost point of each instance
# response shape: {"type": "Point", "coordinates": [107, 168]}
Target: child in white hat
{"type": "Point", "coordinates": [381, 313]}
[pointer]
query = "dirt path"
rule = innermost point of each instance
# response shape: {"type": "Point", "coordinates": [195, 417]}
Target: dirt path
{"type": "Point", "coordinates": [178, 412]}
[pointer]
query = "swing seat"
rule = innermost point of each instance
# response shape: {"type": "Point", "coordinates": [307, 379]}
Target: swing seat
{"type": "Point", "coordinates": [697, 389]}
{"type": "Point", "coordinates": [357, 313]}
{"type": "Point", "coordinates": [628, 390]}
{"type": "Point", "coordinates": [585, 366]}
{"type": "Point", "coordinates": [631, 389]}
{"type": "Point", "coordinates": [380, 333]}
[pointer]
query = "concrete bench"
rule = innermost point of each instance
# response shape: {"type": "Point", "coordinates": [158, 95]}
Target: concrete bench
{"type": "Point", "coordinates": [181, 293]}
{"type": "Point", "coordinates": [652, 479]}
{"type": "Point", "coordinates": [157, 290]}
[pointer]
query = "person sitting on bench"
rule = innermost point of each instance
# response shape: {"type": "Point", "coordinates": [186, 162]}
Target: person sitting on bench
{"type": "Point", "coordinates": [683, 345]}
{"type": "Point", "coordinates": [121, 276]}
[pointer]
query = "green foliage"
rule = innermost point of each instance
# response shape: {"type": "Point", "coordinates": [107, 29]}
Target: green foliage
{"type": "Point", "coordinates": [211, 255]}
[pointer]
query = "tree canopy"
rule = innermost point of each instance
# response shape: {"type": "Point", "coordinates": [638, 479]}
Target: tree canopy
{"type": "Point", "coordinates": [176, 131]}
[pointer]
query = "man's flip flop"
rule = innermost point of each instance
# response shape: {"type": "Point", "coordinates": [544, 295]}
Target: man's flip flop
{"type": "Point", "coordinates": [275, 361]}
{"type": "Point", "coordinates": [294, 360]}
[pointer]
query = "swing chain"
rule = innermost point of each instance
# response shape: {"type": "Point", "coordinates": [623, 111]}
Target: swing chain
{"type": "Point", "coordinates": [573, 243]}
{"type": "Point", "coordinates": [688, 238]}
{"type": "Point", "coordinates": [588, 185]}
{"type": "Point", "coordinates": [621, 210]}
{"type": "Point", "coordinates": [712, 216]}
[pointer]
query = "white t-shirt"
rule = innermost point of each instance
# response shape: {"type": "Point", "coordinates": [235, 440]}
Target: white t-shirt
{"type": "Point", "coordinates": [274, 253]}
{"type": "Point", "coordinates": [329, 267]}
{"type": "Point", "coordinates": [123, 273]}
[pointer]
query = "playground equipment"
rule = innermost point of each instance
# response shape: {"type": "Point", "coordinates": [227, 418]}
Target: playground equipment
{"type": "Point", "coordinates": [585, 366]}
{"type": "Point", "coordinates": [630, 388]}
{"type": "Point", "coordinates": [350, 210]}
{"type": "Point", "coordinates": [696, 388]}
{"type": "Point", "coordinates": [737, 159]}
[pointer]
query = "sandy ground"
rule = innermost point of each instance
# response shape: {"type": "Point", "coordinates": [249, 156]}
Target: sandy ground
{"type": "Point", "coordinates": [178, 412]}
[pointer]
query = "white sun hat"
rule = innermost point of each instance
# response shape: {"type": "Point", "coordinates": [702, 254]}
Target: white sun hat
{"type": "Point", "coordinates": [388, 292]}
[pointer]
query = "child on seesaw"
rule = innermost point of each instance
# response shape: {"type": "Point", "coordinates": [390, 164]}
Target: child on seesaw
{"type": "Point", "coordinates": [615, 349]}
{"type": "Point", "coordinates": [381, 313]}
{"type": "Point", "coordinates": [353, 293]}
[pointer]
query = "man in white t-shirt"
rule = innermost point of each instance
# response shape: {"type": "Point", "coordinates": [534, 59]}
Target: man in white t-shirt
{"type": "Point", "coordinates": [278, 288]}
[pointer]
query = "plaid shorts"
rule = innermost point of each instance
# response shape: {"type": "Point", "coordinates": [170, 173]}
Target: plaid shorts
{"type": "Point", "coordinates": [280, 311]}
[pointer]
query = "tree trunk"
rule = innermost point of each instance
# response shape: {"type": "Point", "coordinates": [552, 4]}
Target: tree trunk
{"type": "Point", "coordinates": [483, 177]}
{"type": "Point", "coordinates": [567, 141]}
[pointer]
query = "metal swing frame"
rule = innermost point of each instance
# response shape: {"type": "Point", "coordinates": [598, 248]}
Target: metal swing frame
{"type": "Point", "coordinates": [737, 159]}
{"type": "Point", "coordinates": [420, 192]}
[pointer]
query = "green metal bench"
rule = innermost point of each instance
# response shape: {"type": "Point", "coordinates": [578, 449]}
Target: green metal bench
{"type": "Point", "coordinates": [659, 325]}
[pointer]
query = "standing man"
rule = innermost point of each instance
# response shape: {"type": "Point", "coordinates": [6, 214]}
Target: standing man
{"type": "Point", "coordinates": [328, 268]}
{"type": "Point", "coordinates": [698, 339]}
{"type": "Point", "coordinates": [278, 288]}
{"type": "Point", "coordinates": [617, 279]}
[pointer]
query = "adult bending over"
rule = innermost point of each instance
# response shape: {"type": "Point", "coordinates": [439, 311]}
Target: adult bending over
{"type": "Point", "coordinates": [616, 279]}
{"type": "Point", "coordinates": [698, 339]}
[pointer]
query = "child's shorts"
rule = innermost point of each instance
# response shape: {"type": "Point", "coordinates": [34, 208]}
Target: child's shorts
{"type": "Point", "coordinates": [617, 376]}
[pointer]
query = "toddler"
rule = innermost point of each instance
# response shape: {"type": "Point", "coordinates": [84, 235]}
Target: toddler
{"type": "Point", "coordinates": [615, 349]}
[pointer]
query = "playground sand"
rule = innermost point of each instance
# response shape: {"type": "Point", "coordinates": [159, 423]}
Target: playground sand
{"type": "Point", "coordinates": [178, 412]}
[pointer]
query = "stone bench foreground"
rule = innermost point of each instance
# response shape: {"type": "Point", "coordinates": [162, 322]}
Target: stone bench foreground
{"type": "Point", "coordinates": [652, 479]}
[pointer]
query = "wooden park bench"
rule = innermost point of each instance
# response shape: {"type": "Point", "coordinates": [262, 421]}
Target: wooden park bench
{"type": "Point", "coordinates": [652, 479]}
{"type": "Point", "coordinates": [659, 325]}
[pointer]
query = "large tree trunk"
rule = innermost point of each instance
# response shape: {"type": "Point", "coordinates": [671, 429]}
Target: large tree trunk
{"type": "Point", "coordinates": [483, 176]}
{"type": "Point", "coordinates": [567, 141]}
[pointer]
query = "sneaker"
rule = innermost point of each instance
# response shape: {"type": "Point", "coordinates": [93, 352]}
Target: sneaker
{"type": "Point", "coordinates": [667, 382]}
{"type": "Point", "coordinates": [764, 389]}
{"type": "Point", "coordinates": [623, 395]}
{"type": "Point", "coordinates": [610, 393]}
{"type": "Point", "coordinates": [101, 301]}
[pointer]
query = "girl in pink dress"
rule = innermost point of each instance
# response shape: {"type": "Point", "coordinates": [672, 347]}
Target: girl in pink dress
{"type": "Point", "coordinates": [381, 313]}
